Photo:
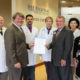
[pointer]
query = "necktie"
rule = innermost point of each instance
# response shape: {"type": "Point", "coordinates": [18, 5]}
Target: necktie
{"type": "Point", "coordinates": [30, 29]}
{"type": "Point", "coordinates": [21, 29]}
{"type": "Point", "coordinates": [57, 33]}
{"type": "Point", "coordinates": [48, 31]}
{"type": "Point", "coordinates": [1, 31]}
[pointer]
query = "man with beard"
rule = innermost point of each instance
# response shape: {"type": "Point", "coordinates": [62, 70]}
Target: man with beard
{"type": "Point", "coordinates": [30, 34]}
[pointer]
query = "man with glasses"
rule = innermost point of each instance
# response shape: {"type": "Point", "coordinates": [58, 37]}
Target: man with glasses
{"type": "Point", "coordinates": [61, 48]}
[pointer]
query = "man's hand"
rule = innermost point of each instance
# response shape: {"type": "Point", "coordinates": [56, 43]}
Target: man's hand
{"type": "Point", "coordinates": [17, 65]}
{"type": "Point", "coordinates": [31, 44]}
{"type": "Point", "coordinates": [75, 62]}
{"type": "Point", "coordinates": [63, 63]}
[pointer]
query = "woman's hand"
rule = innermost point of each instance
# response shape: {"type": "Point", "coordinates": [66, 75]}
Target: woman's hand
{"type": "Point", "coordinates": [75, 62]}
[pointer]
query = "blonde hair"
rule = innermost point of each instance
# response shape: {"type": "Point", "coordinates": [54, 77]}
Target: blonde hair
{"type": "Point", "coordinates": [47, 18]}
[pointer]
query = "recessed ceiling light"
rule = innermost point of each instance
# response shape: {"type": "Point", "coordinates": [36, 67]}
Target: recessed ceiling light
{"type": "Point", "coordinates": [63, 1]}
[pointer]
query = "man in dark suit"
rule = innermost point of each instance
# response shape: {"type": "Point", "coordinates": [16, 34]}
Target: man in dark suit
{"type": "Point", "coordinates": [61, 48]}
{"type": "Point", "coordinates": [17, 55]}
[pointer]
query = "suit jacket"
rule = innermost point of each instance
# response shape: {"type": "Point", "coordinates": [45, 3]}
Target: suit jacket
{"type": "Point", "coordinates": [61, 47]}
{"type": "Point", "coordinates": [15, 47]}
{"type": "Point", "coordinates": [76, 54]}
{"type": "Point", "coordinates": [76, 51]}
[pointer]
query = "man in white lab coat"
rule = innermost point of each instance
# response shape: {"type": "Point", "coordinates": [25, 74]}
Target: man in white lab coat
{"type": "Point", "coordinates": [30, 33]}
{"type": "Point", "coordinates": [47, 32]}
{"type": "Point", "coordinates": [3, 67]}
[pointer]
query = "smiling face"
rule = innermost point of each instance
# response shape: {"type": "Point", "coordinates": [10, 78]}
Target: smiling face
{"type": "Point", "coordinates": [1, 21]}
{"type": "Point", "coordinates": [60, 22]}
{"type": "Point", "coordinates": [29, 20]}
{"type": "Point", "coordinates": [18, 20]}
{"type": "Point", "coordinates": [73, 25]}
{"type": "Point", "coordinates": [49, 23]}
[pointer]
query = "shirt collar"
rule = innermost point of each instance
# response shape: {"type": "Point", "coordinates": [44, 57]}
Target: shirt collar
{"type": "Point", "coordinates": [60, 29]}
{"type": "Point", "coordinates": [1, 29]}
{"type": "Point", "coordinates": [17, 26]}
{"type": "Point", "coordinates": [49, 28]}
{"type": "Point", "coordinates": [28, 26]}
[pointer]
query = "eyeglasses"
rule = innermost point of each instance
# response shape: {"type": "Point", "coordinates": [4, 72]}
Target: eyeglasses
{"type": "Point", "coordinates": [59, 21]}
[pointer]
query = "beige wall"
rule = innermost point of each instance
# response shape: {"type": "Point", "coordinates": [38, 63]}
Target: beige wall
{"type": "Point", "coordinates": [5, 11]}
{"type": "Point", "coordinates": [51, 5]}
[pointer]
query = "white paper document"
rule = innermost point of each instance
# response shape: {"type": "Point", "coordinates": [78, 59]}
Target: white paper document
{"type": "Point", "coordinates": [39, 45]}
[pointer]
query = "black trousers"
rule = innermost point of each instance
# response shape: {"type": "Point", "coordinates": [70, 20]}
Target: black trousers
{"type": "Point", "coordinates": [49, 70]}
{"type": "Point", "coordinates": [28, 73]}
{"type": "Point", "coordinates": [61, 73]}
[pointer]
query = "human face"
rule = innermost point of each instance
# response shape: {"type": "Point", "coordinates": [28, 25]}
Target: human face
{"type": "Point", "coordinates": [18, 20]}
{"type": "Point", "coordinates": [29, 21]}
{"type": "Point", "coordinates": [1, 21]}
{"type": "Point", "coordinates": [49, 23]}
{"type": "Point", "coordinates": [73, 25]}
{"type": "Point", "coordinates": [60, 23]}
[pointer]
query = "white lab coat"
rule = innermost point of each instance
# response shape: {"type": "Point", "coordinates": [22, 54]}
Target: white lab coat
{"type": "Point", "coordinates": [76, 34]}
{"type": "Point", "coordinates": [29, 39]}
{"type": "Point", "coordinates": [3, 67]}
{"type": "Point", "coordinates": [44, 33]}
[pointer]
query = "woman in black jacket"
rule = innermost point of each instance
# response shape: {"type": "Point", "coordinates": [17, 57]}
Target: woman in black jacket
{"type": "Point", "coordinates": [76, 55]}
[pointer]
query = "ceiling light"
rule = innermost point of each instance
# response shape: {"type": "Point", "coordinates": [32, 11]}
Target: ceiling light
{"type": "Point", "coordinates": [63, 1]}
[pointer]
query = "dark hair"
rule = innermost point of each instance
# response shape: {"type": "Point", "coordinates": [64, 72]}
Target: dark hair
{"type": "Point", "coordinates": [73, 19]}
{"type": "Point", "coordinates": [29, 15]}
{"type": "Point", "coordinates": [18, 14]}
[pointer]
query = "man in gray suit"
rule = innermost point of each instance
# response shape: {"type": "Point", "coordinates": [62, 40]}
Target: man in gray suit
{"type": "Point", "coordinates": [61, 48]}
{"type": "Point", "coordinates": [17, 56]}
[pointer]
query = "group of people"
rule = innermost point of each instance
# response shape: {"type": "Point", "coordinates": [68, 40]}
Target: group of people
{"type": "Point", "coordinates": [62, 49]}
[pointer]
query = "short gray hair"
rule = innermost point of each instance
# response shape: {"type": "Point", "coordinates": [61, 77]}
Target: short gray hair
{"type": "Point", "coordinates": [61, 17]}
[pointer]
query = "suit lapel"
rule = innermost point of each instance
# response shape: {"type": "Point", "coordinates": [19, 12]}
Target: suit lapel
{"type": "Point", "coordinates": [60, 34]}
{"type": "Point", "coordinates": [19, 33]}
